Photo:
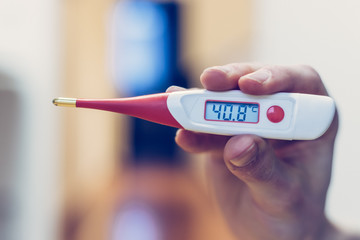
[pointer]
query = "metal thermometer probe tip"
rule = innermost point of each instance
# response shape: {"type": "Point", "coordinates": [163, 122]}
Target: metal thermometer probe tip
{"type": "Point", "coordinates": [64, 102]}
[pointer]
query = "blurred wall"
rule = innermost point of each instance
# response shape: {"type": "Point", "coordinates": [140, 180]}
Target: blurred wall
{"type": "Point", "coordinates": [29, 62]}
{"type": "Point", "coordinates": [326, 35]}
{"type": "Point", "coordinates": [95, 142]}
{"type": "Point", "coordinates": [91, 147]}
{"type": "Point", "coordinates": [215, 32]}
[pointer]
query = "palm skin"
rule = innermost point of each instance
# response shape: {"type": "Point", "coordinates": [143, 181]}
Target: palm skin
{"type": "Point", "coordinates": [267, 189]}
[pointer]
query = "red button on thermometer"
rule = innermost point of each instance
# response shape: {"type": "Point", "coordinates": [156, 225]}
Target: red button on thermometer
{"type": "Point", "coordinates": [279, 116]}
{"type": "Point", "coordinates": [275, 114]}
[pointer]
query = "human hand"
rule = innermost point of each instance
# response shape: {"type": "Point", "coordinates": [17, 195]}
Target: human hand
{"type": "Point", "coordinates": [267, 189]}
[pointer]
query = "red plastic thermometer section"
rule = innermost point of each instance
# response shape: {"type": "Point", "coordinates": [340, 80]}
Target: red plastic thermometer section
{"type": "Point", "coordinates": [151, 107]}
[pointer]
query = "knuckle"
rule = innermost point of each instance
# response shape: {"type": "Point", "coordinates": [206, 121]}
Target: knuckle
{"type": "Point", "coordinates": [259, 168]}
{"type": "Point", "coordinates": [260, 171]}
{"type": "Point", "coordinates": [314, 77]}
{"type": "Point", "coordinates": [272, 68]}
{"type": "Point", "coordinates": [301, 77]}
{"type": "Point", "coordinates": [311, 73]}
{"type": "Point", "coordinates": [279, 71]}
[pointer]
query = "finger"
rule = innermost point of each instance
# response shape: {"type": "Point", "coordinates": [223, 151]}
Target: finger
{"type": "Point", "coordinates": [174, 89]}
{"type": "Point", "coordinates": [221, 78]}
{"type": "Point", "coordinates": [252, 160]}
{"type": "Point", "coordinates": [272, 79]}
{"type": "Point", "coordinates": [199, 142]}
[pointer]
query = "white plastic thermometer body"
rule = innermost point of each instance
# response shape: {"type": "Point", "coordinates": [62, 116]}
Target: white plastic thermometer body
{"type": "Point", "coordinates": [279, 116]}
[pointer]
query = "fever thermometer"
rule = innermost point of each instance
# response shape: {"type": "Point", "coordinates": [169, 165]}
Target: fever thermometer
{"type": "Point", "coordinates": [288, 116]}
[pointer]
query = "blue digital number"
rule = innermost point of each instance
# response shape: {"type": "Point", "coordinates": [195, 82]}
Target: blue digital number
{"type": "Point", "coordinates": [227, 111]}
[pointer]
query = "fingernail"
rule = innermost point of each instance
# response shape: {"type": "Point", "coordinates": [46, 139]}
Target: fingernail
{"type": "Point", "coordinates": [174, 88]}
{"type": "Point", "coordinates": [260, 76]}
{"type": "Point", "coordinates": [177, 132]}
{"type": "Point", "coordinates": [218, 68]}
{"type": "Point", "coordinates": [222, 68]}
{"type": "Point", "coordinates": [245, 158]}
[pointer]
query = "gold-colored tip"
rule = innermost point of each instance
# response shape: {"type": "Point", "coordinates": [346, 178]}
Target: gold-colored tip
{"type": "Point", "coordinates": [65, 102]}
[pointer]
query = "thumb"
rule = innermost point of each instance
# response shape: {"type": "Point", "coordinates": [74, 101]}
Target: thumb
{"type": "Point", "coordinates": [250, 158]}
{"type": "Point", "coordinates": [253, 161]}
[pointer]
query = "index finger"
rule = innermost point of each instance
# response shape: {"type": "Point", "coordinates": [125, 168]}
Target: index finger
{"type": "Point", "coordinates": [292, 78]}
{"type": "Point", "coordinates": [257, 79]}
{"type": "Point", "coordinates": [226, 77]}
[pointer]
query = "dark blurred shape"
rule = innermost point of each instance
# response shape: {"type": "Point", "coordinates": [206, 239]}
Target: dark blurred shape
{"type": "Point", "coordinates": [147, 60]}
{"type": "Point", "coordinates": [9, 131]}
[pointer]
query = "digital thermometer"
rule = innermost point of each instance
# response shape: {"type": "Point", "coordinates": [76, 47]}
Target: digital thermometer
{"type": "Point", "coordinates": [279, 116]}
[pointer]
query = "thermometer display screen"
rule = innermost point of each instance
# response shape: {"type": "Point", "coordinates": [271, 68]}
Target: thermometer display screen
{"type": "Point", "coordinates": [232, 111]}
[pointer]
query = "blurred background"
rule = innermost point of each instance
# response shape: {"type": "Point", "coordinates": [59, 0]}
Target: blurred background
{"type": "Point", "coordinates": [85, 174]}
